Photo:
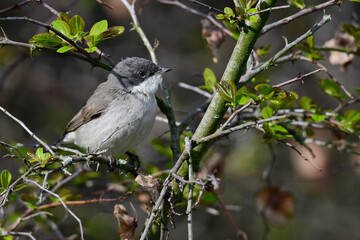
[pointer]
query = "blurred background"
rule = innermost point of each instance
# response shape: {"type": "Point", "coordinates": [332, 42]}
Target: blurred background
{"type": "Point", "coordinates": [45, 90]}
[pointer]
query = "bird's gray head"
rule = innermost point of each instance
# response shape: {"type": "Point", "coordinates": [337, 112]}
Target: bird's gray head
{"type": "Point", "coordinates": [134, 71]}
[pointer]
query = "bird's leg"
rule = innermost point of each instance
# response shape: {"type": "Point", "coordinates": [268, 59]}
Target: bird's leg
{"type": "Point", "coordinates": [133, 160]}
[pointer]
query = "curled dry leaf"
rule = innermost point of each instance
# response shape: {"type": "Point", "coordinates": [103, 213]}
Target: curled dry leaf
{"type": "Point", "coordinates": [127, 224]}
{"type": "Point", "coordinates": [144, 200]}
{"type": "Point", "coordinates": [341, 40]}
{"type": "Point", "coordinates": [278, 206]}
{"type": "Point", "coordinates": [149, 184]}
{"type": "Point", "coordinates": [214, 38]}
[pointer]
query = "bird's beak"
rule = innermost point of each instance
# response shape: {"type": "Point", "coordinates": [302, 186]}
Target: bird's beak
{"type": "Point", "coordinates": [164, 70]}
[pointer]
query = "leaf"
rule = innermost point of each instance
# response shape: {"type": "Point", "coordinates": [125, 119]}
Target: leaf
{"type": "Point", "coordinates": [210, 79]}
{"type": "Point", "coordinates": [229, 11]}
{"type": "Point", "coordinates": [264, 50]}
{"type": "Point", "coordinates": [20, 186]}
{"type": "Point", "coordinates": [220, 16]}
{"type": "Point", "coordinates": [65, 17]}
{"type": "Point", "coordinates": [64, 49]}
{"type": "Point", "coordinates": [305, 103]}
{"type": "Point", "coordinates": [264, 89]}
{"type": "Point", "coordinates": [111, 33]}
{"type": "Point", "coordinates": [5, 178]}
{"type": "Point", "coordinates": [77, 24]}
{"type": "Point", "coordinates": [99, 27]}
{"type": "Point", "coordinates": [352, 116]}
{"type": "Point", "coordinates": [62, 27]}
{"type": "Point", "coordinates": [331, 88]}
{"type": "Point", "coordinates": [253, 18]}
{"type": "Point", "coordinates": [46, 40]}
{"type": "Point", "coordinates": [92, 49]}
{"type": "Point", "coordinates": [318, 117]}
{"type": "Point", "coordinates": [267, 112]}
{"type": "Point", "coordinates": [227, 91]}
{"type": "Point", "coordinates": [242, 100]}
{"type": "Point", "coordinates": [297, 3]}
{"type": "Point", "coordinates": [39, 153]}
{"type": "Point", "coordinates": [279, 128]}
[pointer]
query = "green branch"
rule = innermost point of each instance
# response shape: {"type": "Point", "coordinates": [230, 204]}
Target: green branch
{"type": "Point", "coordinates": [233, 71]}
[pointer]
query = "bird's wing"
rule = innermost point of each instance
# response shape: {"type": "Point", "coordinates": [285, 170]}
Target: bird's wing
{"type": "Point", "coordinates": [95, 106]}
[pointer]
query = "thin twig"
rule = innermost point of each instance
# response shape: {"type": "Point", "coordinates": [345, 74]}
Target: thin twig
{"type": "Point", "coordinates": [191, 10]}
{"type": "Point", "coordinates": [302, 155]}
{"type": "Point", "coordinates": [239, 233]}
{"type": "Point", "coordinates": [189, 202]}
{"type": "Point", "coordinates": [62, 203]}
{"type": "Point", "coordinates": [237, 128]}
{"type": "Point", "coordinates": [249, 75]}
{"type": "Point", "coordinates": [166, 185]}
{"type": "Point", "coordinates": [269, 10]}
{"type": "Point", "coordinates": [27, 130]}
{"type": "Point", "coordinates": [305, 59]}
{"type": "Point", "coordinates": [299, 14]}
{"type": "Point", "coordinates": [15, 6]}
{"type": "Point", "coordinates": [298, 78]}
{"type": "Point", "coordinates": [195, 89]}
{"type": "Point", "coordinates": [18, 234]}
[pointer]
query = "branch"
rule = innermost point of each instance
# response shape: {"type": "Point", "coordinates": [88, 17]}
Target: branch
{"type": "Point", "coordinates": [299, 14]}
{"type": "Point", "coordinates": [298, 78]}
{"type": "Point", "coordinates": [166, 185]}
{"type": "Point", "coordinates": [191, 10]}
{"type": "Point", "coordinates": [235, 67]}
{"type": "Point", "coordinates": [93, 61]}
{"type": "Point", "coordinates": [167, 107]}
{"type": "Point", "coordinates": [245, 78]}
{"type": "Point", "coordinates": [28, 131]}
{"type": "Point", "coordinates": [15, 6]}
{"type": "Point", "coordinates": [62, 203]}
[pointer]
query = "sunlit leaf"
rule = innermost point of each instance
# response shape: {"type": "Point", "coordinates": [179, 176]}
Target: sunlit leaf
{"type": "Point", "coordinates": [267, 112]}
{"type": "Point", "coordinates": [62, 27]}
{"type": "Point", "coordinates": [331, 88]}
{"type": "Point", "coordinates": [64, 49]}
{"type": "Point", "coordinates": [77, 24]}
{"type": "Point", "coordinates": [318, 117]}
{"type": "Point", "coordinates": [46, 40]}
{"type": "Point", "coordinates": [111, 33]}
{"type": "Point", "coordinates": [5, 178]}
{"type": "Point", "coordinates": [352, 116]}
{"type": "Point", "coordinates": [264, 89]}
{"type": "Point", "coordinates": [99, 27]}
{"type": "Point", "coordinates": [210, 79]}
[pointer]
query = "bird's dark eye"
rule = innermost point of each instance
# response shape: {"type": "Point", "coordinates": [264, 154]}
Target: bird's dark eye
{"type": "Point", "coordinates": [142, 73]}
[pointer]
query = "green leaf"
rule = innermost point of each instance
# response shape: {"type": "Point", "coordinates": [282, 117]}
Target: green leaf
{"type": "Point", "coordinates": [297, 3]}
{"type": "Point", "coordinates": [64, 49]}
{"type": "Point", "coordinates": [5, 178]}
{"type": "Point", "coordinates": [357, 90]}
{"type": "Point", "coordinates": [65, 17]}
{"type": "Point", "coordinates": [111, 33]}
{"type": "Point", "coordinates": [229, 11]}
{"type": "Point", "coordinates": [92, 49]}
{"type": "Point", "coordinates": [62, 27]}
{"type": "Point", "coordinates": [242, 100]}
{"type": "Point", "coordinates": [253, 18]}
{"type": "Point", "coordinates": [331, 88]}
{"type": "Point", "coordinates": [46, 40]}
{"type": "Point", "coordinates": [220, 16]}
{"type": "Point", "coordinates": [99, 27]}
{"type": "Point", "coordinates": [209, 197]}
{"type": "Point", "coordinates": [39, 153]}
{"type": "Point", "coordinates": [352, 116]}
{"type": "Point", "coordinates": [264, 89]}
{"type": "Point", "coordinates": [20, 186]}
{"type": "Point", "coordinates": [77, 24]}
{"type": "Point", "coordinates": [318, 117]}
{"type": "Point", "coordinates": [279, 128]}
{"type": "Point", "coordinates": [227, 91]}
{"type": "Point", "coordinates": [267, 112]}
{"type": "Point", "coordinates": [210, 79]}
{"type": "Point", "coordinates": [305, 103]}
{"type": "Point", "coordinates": [264, 50]}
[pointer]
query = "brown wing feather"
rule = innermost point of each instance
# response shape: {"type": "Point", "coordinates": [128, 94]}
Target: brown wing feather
{"type": "Point", "coordinates": [94, 107]}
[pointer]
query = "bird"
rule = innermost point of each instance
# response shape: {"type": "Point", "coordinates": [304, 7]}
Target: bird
{"type": "Point", "coordinates": [121, 112]}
